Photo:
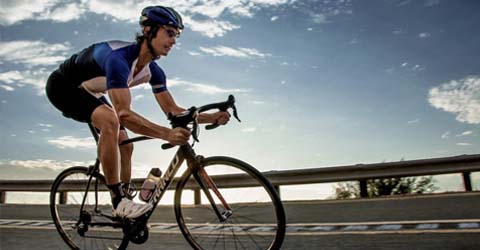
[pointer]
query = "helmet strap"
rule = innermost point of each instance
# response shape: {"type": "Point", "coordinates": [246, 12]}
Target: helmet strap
{"type": "Point", "coordinates": [152, 34]}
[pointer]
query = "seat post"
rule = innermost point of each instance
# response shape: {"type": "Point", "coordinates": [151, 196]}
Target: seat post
{"type": "Point", "coordinates": [94, 132]}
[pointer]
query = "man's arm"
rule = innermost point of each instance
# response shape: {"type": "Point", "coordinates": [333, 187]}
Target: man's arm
{"type": "Point", "coordinates": [121, 99]}
{"type": "Point", "coordinates": [168, 105]}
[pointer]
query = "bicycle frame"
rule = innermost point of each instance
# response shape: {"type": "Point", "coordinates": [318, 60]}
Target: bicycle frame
{"type": "Point", "coordinates": [194, 162]}
{"type": "Point", "coordinates": [184, 153]}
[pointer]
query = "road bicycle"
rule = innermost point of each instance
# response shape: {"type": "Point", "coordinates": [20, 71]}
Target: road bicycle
{"type": "Point", "coordinates": [244, 211]}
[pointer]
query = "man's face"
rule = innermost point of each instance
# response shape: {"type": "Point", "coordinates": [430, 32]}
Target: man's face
{"type": "Point", "coordinates": [165, 39]}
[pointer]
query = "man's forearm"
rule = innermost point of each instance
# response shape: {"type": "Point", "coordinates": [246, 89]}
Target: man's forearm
{"type": "Point", "coordinates": [140, 125]}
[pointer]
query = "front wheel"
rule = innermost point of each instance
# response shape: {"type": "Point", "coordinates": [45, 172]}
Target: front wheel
{"type": "Point", "coordinates": [257, 216]}
{"type": "Point", "coordinates": [88, 226]}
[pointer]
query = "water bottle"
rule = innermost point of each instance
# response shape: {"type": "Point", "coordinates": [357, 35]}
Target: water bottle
{"type": "Point", "coordinates": [148, 186]}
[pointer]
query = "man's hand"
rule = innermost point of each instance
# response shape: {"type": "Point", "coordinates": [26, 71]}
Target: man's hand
{"type": "Point", "coordinates": [178, 136]}
{"type": "Point", "coordinates": [221, 118]}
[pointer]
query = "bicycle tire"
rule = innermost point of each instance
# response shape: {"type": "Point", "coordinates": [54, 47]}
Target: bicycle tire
{"type": "Point", "coordinates": [257, 222]}
{"type": "Point", "coordinates": [66, 216]}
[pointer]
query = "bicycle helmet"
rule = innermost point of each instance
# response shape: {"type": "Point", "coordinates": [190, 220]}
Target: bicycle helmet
{"type": "Point", "coordinates": [160, 15]}
{"type": "Point", "coordinates": [156, 16]}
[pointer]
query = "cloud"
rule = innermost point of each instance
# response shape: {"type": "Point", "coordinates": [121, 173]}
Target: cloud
{"type": "Point", "coordinates": [319, 18]}
{"type": "Point", "coordinates": [34, 56]}
{"type": "Point", "coordinates": [7, 88]}
{"type": "Point", "coordinates": [210, 28]}
{"type": "Point", "coordinates": [34, 78]}
{"type": "Point", "coordinates": [466, 133]}
{"type": "Point", "coordinates": [249, 130]}
{"type": "Point", "coordinates": [203, 88]}
{"type": "Point", "coordinates": [35, 169]}
{"type": "Point", "coordinates": [417, 68]}
{"type": "Point", "coordinates": [431, 3]}
{"type": "Point", "coordinates": [14, 11]}
{"type": "Point", "coordinates": [464, 144]}
{"type": "Point", "coordinates": [205, 17]}
{"type": "Point", "coordinates": [45, 125]}
{"type": "Point", "coordinates": [461, 97]}
{"type": "Point", "coordinates": [406, 67]}
{"type": "Point", "coordinates": [321, 12]}
{"type": "Point", "coordinates": [404, 3]}
{"type": "Point", "coordinates": [232, 52]}
{"type": "Point", "coordinates": [413, 121]}
{"type": "Point", "coordinates": [33, 53]}
{"type": "Point", "coordinates": [424, 35]}
{"type": "Point", "coordinates": [446, 135]}
{"type": "Point", "coordinates": [42, 163]}
{"type": "Point", "coordinates": [65, 13]}
{"type": "Point", "coordinates": [72, 142]}
{"type": "Point", "coordinates": [399, 32]}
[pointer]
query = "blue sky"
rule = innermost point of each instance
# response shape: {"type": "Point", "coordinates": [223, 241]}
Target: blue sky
{"type": "Point", "coordinates": [318, 83]}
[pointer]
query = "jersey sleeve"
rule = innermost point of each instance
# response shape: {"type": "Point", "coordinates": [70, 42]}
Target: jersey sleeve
{"type": "Point", "coordinates": [116, 71]}
{"type": "Point", "coordinates": [158, 81]}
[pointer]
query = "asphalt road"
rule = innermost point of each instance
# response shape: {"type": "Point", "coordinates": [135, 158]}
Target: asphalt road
{"type": "Point", "coordinates": [27, 239]}
{"type": "Point", "coordinates": [427, 222]}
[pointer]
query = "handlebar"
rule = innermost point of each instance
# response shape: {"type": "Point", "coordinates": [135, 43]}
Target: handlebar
{"type": "Point", "coordinates": [190, 116]}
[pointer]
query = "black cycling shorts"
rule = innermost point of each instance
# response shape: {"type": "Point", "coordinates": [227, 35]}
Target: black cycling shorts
{"type": "Point", "coordinates": [74, 101]}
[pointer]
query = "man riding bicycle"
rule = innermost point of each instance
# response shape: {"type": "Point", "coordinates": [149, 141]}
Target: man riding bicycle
{"type": "Point", "coordinates": [78, 86]}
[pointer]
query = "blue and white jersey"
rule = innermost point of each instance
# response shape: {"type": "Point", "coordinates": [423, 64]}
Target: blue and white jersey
{"type": "Point", "coordinates": [108, 65]}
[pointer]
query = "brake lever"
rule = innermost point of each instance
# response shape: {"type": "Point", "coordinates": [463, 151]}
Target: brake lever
{"type": "Point", "coordinates": [235, 113]}
{"type": "Point", "coordinates": [195, 130]}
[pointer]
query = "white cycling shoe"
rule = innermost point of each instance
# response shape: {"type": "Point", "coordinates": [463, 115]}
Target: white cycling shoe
{"type": "Point", "coordinates": [129, 209]}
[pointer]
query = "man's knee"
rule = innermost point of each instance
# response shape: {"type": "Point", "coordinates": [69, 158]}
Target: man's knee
{"type": "Point", "coordinates": [105, 119]}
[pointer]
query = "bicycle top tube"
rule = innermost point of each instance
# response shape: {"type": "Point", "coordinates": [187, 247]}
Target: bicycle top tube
{"type": "Point", "coordinates": [183, 120]}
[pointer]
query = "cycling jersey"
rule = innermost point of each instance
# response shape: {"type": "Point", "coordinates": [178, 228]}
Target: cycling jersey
{"type": "Point", "coordinates": [77, 87]}
{"type": "Point", "coordinates": [108, 65]}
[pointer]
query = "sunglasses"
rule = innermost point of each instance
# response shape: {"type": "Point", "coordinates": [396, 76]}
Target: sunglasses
{"type": "Point", "coordinates": [171, 32]}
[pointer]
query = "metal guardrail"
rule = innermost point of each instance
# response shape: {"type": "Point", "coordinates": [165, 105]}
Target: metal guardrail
{"type": "Point", "coordinates": [463, 164]}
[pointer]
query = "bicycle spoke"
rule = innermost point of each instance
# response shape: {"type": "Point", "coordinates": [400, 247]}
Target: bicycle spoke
{"type": "Point", "coordinates": [86, 229]}
{"type": "Point", "coordinates": [250, 236]}
{"type": "Point", "coordinates": [249, 219]}
{"type": "Point", "coordinates": [250, 206]}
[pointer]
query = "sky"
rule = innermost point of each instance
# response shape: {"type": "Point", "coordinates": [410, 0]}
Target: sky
{"type": "Point", "coordinates": [318, 83]}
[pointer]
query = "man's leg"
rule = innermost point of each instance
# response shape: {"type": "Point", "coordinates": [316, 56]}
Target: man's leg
{"type": "Point", "coordinates": [126, 152]}
{"type": "Point", "coordinates": [105, 119]}
{"type": "Point", "coordinates": [125, 164]}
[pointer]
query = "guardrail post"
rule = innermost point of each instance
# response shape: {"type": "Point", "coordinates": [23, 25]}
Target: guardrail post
{"type": "Point", "coordinates": [197, 197]}
{"type": "Point", "coordinates": [3, 196]}
{"type": "Point", "coordinates": [63, 198]}
{"type": "Point", "coordinates": [363, 188]}
{"type": "Point", "coordinates": [277, 188]}
{"type": "Point", "coordinates": [467, 182]}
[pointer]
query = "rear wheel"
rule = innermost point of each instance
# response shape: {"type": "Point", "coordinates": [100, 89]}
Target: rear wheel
{"type": "Point", "coordinates": [90, 227]}
{"type": "Point", "coordinates": [257, 219]}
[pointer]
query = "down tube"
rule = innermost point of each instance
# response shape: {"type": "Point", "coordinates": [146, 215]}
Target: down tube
{"type": "Point", "coordinates": [168, 177]}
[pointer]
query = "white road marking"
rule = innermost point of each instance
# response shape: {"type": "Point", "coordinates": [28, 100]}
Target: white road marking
{"type": "Point", "coordinates": [384, 227]}
{"type": "Point", "coordinates": [427, 226]}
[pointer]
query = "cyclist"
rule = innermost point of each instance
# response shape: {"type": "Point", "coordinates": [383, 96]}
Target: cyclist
{"type": "Point", "coordinates": [78, 86]}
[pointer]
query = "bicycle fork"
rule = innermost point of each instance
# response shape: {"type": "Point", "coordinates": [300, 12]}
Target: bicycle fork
{"type": "Point", "coordinates": [206, 184]}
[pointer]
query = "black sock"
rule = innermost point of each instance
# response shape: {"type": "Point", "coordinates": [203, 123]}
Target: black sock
{"type": "Point", "coordinates": [116, 193]}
